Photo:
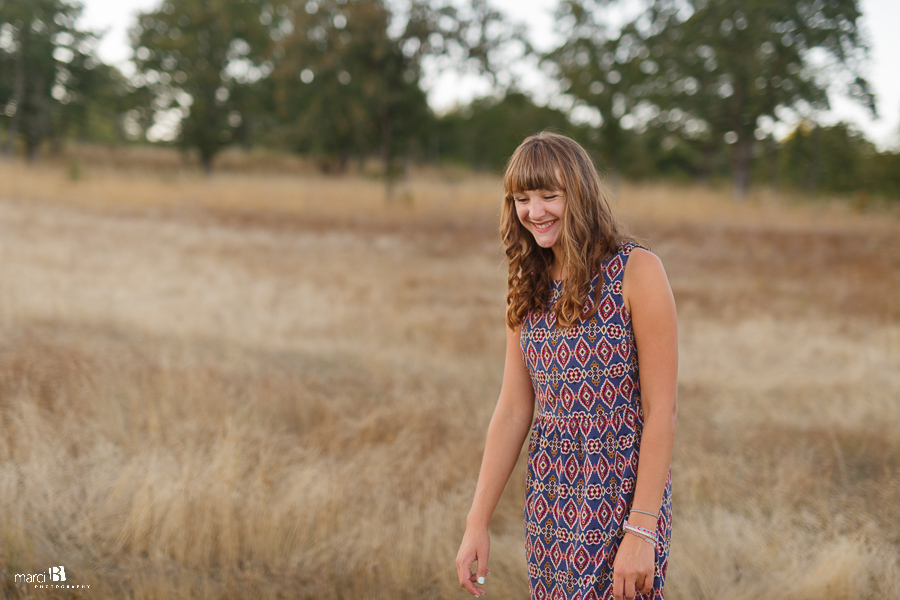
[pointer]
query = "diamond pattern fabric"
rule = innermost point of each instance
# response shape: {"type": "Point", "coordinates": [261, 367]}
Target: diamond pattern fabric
{"type": "Point", "coordinates": [584, 445]}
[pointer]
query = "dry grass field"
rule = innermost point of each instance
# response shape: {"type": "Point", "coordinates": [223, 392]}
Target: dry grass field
{"type": "Point", "coordinates": [273, 386]}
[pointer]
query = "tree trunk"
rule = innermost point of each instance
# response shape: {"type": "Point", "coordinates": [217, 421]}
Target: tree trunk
{"type": "Point", "coordinates": [56, 144]}
{"type": "Point", "coordinates": [387, 156]}
{"type": "Point", "coordinates": [816, 162]}
{"type": "Point", "coordinates": [741, 156]}
{"type": "Point", "coordinates": [704, 168]}
{"type": "Point", "coordinates": [434, 148]}
{"type": "Point", "coordinates": [18, 99]}
{"type": "Point", "coordinates": [37, 121]}
{"type": "Point", "coordinates": [206, 159]}
{"type": "Point", "coordinates": [344, 161]}
{"type": "Point", "coordinates": [772, 147]}
{"type": "Point", "coordinates": [31, 148]}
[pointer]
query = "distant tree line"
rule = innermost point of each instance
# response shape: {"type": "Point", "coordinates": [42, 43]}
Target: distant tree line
{"type": "Point", "coordinates": [689, 89]}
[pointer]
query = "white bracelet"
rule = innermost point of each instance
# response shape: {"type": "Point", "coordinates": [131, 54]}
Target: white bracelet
{"type": "Point", "coordinates": [646, 539]}
{"type": "Point", "coordinates": [644, 534]}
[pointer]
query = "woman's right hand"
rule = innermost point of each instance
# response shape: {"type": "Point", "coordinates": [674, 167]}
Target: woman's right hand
{"type": "Point", "coordinates": [475, 547]}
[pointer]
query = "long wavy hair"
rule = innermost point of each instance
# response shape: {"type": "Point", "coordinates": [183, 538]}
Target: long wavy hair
{"type": "Point", "coordinates": [590, 233]}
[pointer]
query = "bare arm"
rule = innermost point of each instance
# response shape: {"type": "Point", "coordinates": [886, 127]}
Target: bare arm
{"type": "Point", "coordinates": [506, 434]}
{"type": "Point", "coordinates": [648, 297]}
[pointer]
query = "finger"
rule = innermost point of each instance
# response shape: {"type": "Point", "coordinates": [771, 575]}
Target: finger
{"type": "Point", "coordinates": [629, 588]}
{"type": "Point", "coordinates": [473, 589]}
{"type": "Point", "coordinates": [618, 586]}
{"type": "Point", "coordinates": [464, 570]}
{"type": "Point", "coordinates": [473, 580]}
{"type": "Point", "coordinates": [648, 584]}
{"type": "Point", "coordinates": [638, 584]}
{"type": "Point", "coordinates": [482, 570]}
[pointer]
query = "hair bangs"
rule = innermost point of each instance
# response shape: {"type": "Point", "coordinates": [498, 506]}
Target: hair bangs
{"type": "Point", "coordinates": [533, 167]}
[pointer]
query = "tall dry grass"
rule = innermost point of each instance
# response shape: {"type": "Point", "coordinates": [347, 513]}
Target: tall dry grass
{"type": "Point", "coordinates": [278, 386]}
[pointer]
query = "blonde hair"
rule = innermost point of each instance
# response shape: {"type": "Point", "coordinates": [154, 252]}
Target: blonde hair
{"type": "Point", "coordinates": [589, 235]}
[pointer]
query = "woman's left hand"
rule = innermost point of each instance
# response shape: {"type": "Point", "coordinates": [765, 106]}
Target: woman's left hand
{"type": "Point", "coordinates": [633, 568]}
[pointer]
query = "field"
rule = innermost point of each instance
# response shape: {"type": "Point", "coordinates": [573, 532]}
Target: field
{"type": "Point", "coordinates": [263, 385]}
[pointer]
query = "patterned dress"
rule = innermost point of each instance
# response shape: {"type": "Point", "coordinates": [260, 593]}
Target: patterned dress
{"type": "Point", "coordinates": [584, 445]}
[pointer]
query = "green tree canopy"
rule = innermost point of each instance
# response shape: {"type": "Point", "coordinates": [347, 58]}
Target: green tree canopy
{"type": "Point", "coordinates": [343, 87]}
{"type": "Point", "coordinates": [714, 72]}
{"type": "Point", "coordinates": [49, 73]}
{"type": "Point", "coordinates": [836, 158]}
{"type": "Point", "coordinates": [199, 60]}
{"type": "Point", "coordinates": [486, 132]}
{"type": "Point", "coordinates": [595, 65]}
{"type": "Point", "coordinates": [348, 79]}
{"type": "Point", "coordinates": [734, 64]}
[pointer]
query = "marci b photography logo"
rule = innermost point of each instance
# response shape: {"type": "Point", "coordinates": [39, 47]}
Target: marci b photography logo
{"type": "Point", "coordinates": [54, 578]}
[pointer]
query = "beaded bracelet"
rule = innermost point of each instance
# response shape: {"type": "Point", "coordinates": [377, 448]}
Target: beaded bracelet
{"type": "Point", "coordinates": [647, 534]}
{"type": "Point", "coordinates": [643, 533]}
{"type": "Point", "coordinates": [646, 539]}
{"type": "Point", "coordinates": [642, 538]}
{"type": "Point", "coordinates": [644, 512]}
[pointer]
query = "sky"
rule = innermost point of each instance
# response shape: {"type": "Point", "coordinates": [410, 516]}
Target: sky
{"type": "Point", "coordinates": [446, 89]}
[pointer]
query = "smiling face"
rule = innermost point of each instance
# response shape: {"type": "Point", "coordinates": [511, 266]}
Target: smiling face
{"type": "Point", "coordinates": [543, 195]}
{"type": "Point", "coordinates": [541, 212]}
{"type": "Point", "coordinates": [555, 223]}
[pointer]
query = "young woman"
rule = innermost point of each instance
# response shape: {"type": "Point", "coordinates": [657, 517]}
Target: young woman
{"type": "Point", "coordinates": [592, 337]}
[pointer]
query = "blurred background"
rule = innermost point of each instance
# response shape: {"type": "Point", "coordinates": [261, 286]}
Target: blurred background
{"type": "Point", "coordinates": [252, 291]}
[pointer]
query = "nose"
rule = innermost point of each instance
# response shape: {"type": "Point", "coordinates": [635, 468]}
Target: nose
{"type": "Point", "coordinates": [536, 210]}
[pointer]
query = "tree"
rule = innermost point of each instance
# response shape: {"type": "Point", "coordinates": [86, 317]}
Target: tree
{"type": "Point", "coordinates": [343, 87]}
{"type": "Point", "coordinates": [734, 64]}
{"type": "Point", "coordinates": [835, 158]}
{"type": "Point", "coordinates": [48, 69]}
{"type": "Point", "coordinates": [599, 66]}
{"type": "Point", "coordinates": [93, 109]}
{"type": "Point", "coordinates": [200, 60]}
{"type": "Point", "coordinates": [347, 81]}
{"type": "Point", "coordinates": [486, 132]}
{"type": "Point", "coordinates": [885, 174]}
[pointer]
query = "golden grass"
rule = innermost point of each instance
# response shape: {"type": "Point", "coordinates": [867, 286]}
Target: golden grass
{"type": "Point", "coordinates": [278, 386]}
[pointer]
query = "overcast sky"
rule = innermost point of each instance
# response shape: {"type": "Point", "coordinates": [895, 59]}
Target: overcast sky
{"type": "Point", "coordinates": [880, 20]}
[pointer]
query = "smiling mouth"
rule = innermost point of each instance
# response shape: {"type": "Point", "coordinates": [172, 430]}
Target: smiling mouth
{"type": "Point", "coordinates": [544, 226]}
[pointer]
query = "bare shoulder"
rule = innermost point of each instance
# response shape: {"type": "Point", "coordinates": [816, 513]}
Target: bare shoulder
{"type": "Point", "coordinates": [643, 266]}
{"type": "Point", "coordinates": [645, 280]}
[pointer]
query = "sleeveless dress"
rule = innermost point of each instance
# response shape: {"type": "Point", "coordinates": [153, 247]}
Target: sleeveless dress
{"type": "Point", "coordinates": [584, 446]}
